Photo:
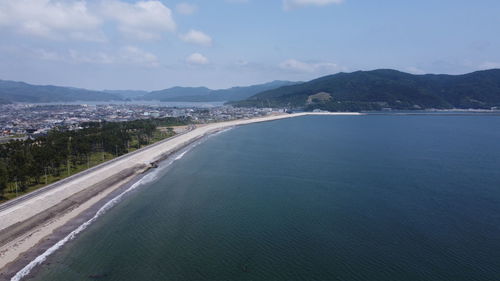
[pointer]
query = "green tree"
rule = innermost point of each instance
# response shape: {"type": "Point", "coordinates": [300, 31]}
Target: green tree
{"type": "Point", "coordinates": [4, 177]}
{"type": "Point", "coordinates": [26, 163]}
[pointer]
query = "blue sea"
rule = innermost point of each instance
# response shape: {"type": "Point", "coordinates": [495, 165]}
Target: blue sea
{"type": "Point", "coordinates": [312, 198]}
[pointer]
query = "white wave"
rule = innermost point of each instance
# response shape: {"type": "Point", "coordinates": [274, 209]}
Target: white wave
{"type": "Point", "coordinates": [181, 155]}
{"type": "Point", "coordinates": [194, 144]}
{"type": "Point", "coordinates": [222, 131]}
{"type": "Point", "coordinates": [149, 178]}
{"type": "Point", "coordinates": [41, 258]}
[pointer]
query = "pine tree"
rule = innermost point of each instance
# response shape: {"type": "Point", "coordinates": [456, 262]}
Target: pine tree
{"type": "Point", "coordinates": [4, 177]}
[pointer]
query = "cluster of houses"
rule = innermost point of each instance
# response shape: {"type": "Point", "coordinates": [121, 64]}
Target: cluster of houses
{"type": "Point", "coordinates": [19, 121]}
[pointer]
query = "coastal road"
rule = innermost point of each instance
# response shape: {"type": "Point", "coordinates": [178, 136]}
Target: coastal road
{"type": "Point", "coordinates": [55, 193]}
{"type": "Point", "coordinates": [36, 210]}
{"type": "Point", "coordinates": [51, 186]}
{"type": "Point", "coordinates": [203, 130]}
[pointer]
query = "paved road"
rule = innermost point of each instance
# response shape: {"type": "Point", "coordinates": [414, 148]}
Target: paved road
{"type": "Point", "coordinates": [209, 127]}
{"type": "Point", "coordinates": [49, 187]}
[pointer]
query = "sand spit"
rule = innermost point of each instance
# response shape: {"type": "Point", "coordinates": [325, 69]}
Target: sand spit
{"type": "Point", "coordinates": [26, 224]}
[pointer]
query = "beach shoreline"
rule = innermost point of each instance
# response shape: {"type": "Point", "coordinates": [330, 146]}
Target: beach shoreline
{"type": "Point", "coordinates": [57, 229]}
{"type": "Point", "coordinates": [29, 244]}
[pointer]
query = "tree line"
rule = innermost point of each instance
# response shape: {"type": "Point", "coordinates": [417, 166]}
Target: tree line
{"type": "Point", "coordinates": [25, 163]}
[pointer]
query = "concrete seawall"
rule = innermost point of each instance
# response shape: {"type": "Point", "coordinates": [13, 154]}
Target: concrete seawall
{"type": "Point", "coordinates": [23, 225]}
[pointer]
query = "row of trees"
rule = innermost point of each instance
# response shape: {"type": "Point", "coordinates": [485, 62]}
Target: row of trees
{"type": "Point", "coordinates": [30, 162]}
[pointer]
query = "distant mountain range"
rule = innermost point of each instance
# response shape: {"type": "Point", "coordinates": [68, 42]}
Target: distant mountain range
{"type": "Point", "coordinates": [203, 94]}
{"type": "Point", "coordinates": [176, 94]}
{"type": "Point", "coordinates": [385, 88]}
{"type": "Point", "coordinates": [360, 90]}
{"type": "Point", "coordinates": [11, 91]}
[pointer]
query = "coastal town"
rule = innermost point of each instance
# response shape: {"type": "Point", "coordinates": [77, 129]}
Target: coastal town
{"type": "Point", "coordinates": [20, 121]}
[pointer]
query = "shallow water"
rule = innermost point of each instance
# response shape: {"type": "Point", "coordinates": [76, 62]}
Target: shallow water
{"type": "Point", "coordinates": [310, 198]}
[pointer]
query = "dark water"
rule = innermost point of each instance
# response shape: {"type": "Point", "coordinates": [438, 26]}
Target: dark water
{"type": "Point", "coordinates": [313, 198]}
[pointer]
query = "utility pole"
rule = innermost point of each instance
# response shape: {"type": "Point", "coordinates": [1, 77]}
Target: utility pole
{"type": "Point", "coordinates": [88, 161]}
{"type": "Point", "coordinates": [46, 181]}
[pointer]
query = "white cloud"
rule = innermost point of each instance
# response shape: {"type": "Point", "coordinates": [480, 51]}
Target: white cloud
{"type": "Point", "coordinates": [53, 19]}
{"type": "Point", "coordinates": [186, 8]}
{"type": "Point", "coordinates": [197, 37]}
{"type": "Point", "coordinates": [83, 20]}
{"type": "Point", "coordinates": [95, 36]}
{"type": "Point", "coordinates": [197, 58]}
{"type": "Point", "coordinates": [140, 20]}
{"type": "Point", "coordinates": [3, 16]}
{"type": "Point", "coordinates": [290, 4]}
{"type": "Point", "coordinates": [135, 55]}
{"type": "Point", "coordinates": [94, 57]}
{"type": "Point", "coordinates": [299, 66]}
{"type": "Point", "coordinates": [125, 55]}
{"type": "Point", "coordinates": [47, 55]}
{"type": "Point", "coordinates": [237, 1]}
{"type": "Point", "coordinates": [489, 65]}
{"type": "Point", "coordinates": [414, 70]}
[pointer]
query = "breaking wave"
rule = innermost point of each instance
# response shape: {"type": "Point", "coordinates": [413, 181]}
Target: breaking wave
{"type": "Point", "coordinates": [149, 178]}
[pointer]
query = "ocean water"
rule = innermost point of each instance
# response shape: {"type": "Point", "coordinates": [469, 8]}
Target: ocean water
{"type": "Point", "coordinates": [311, 198]}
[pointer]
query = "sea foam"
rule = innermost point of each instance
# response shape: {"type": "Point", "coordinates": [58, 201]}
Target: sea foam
{"type": "Point", "coordinates": [149, 178]}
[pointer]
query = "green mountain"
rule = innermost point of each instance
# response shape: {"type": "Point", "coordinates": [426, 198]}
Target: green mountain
{"type": "Point", "coordinates": [202, 94]}
{"type": "Point", "coordinates": [11, 91]}
{"type": "Point", "coordinates": [384, 88]}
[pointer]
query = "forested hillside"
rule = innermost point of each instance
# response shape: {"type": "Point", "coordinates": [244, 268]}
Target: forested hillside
{"type": "Point", "coordinates": [11, 91]}
{"type": "Point", "coordinates": [203, 94]}
{"type": "Point", "coordinates": [378, 89]}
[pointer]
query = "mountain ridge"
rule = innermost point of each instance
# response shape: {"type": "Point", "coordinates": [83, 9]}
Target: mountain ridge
{"type": "Point", "coordinates": [386, 88]}
{"type": "Point", "coordinates": [204, 94]}
{"type": "Point", "coordinates": [355, 91]}
{"type": "Point", "coordinates": [16, 91]}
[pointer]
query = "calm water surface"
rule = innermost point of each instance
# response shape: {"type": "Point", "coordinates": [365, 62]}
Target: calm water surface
{"type": "Point", "coordinates": [312, 198]}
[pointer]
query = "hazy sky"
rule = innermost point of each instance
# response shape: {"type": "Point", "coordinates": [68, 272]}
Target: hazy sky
{"type": "Point", "coordinates": [126, 44]}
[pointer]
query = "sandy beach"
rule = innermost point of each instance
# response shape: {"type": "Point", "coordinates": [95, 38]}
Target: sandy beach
{"type": "Point", "coordinates": [25, 225]}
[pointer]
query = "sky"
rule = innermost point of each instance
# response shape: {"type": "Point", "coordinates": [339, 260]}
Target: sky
{"type": "Point", "coordinates": [156, 44]}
